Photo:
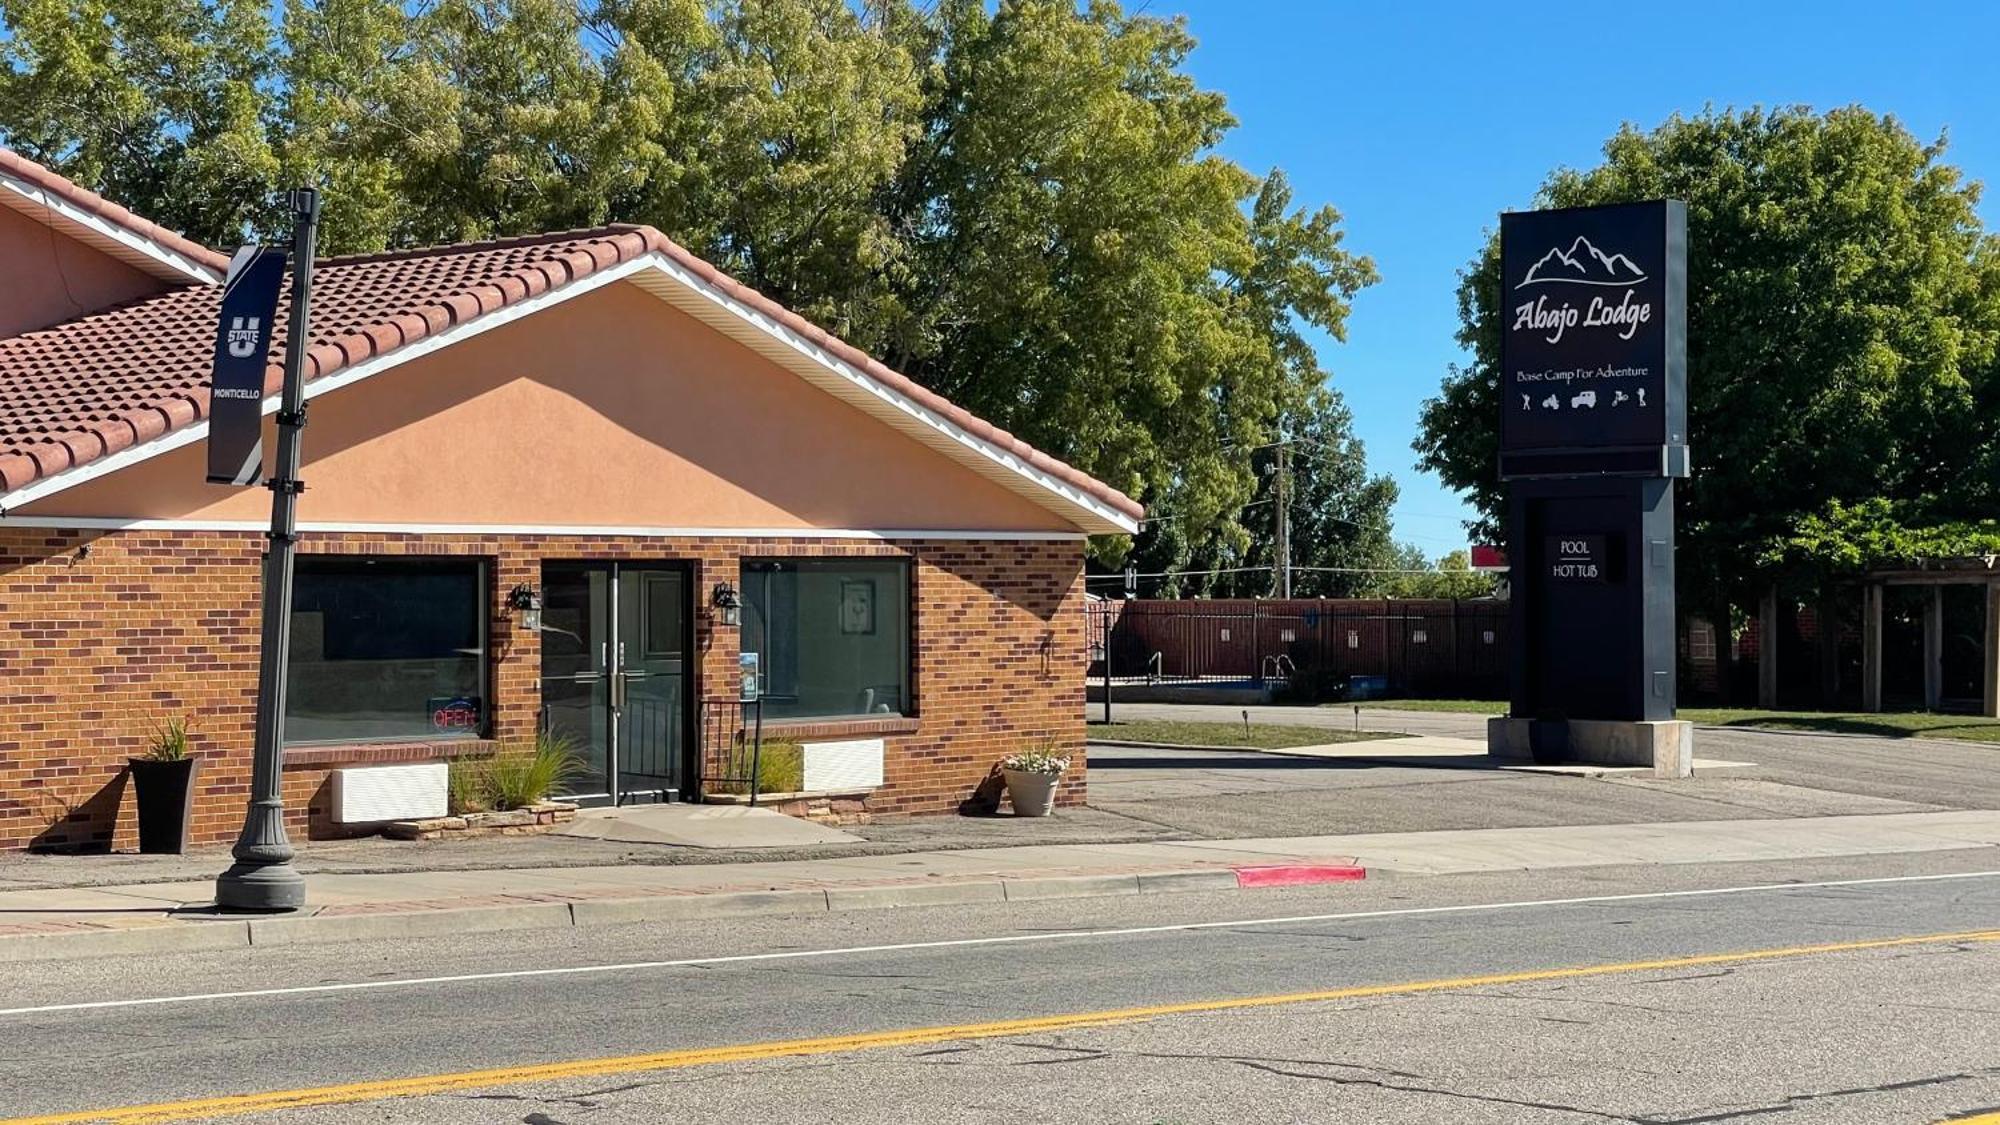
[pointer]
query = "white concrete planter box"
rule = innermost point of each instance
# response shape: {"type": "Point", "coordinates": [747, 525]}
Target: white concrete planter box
{"type": "Point", "coordinates": [365, 794]}
{"type": "Point", "coordinates": [832, 767]}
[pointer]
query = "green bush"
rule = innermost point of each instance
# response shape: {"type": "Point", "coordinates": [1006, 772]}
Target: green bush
{"type": "Point", "coordinates": [520, 775]}
{"type": "Point", "coordinates": [516, 776]}
{"type": "Point", "coordinates": [781, 768]}
{"type": "Point", "coordinates": [468, 786]}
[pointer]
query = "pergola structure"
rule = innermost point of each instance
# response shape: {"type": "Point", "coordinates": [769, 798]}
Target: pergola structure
{"type": "Point", "coordinates": [1978, 570]}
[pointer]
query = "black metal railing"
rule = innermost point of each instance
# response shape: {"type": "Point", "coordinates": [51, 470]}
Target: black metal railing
{"type": "Point", "coordinates": [732, 744]}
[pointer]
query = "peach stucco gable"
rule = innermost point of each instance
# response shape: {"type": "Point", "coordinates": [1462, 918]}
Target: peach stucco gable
{"type": "Point", "coordinates": [613, 409]}
{"type": "Point", "coordinates": [47, 276]}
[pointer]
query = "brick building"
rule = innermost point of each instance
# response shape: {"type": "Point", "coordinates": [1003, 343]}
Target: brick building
{"type": "Point", "coordinates": [596, 418]}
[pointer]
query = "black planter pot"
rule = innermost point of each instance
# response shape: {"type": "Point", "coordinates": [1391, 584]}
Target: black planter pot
{"type": "Point", "coordinates": [165, 795]}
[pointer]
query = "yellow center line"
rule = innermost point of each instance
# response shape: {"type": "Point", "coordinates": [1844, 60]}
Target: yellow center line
{"type": "Point", "coordinates": [749, 1052]}
{"type": "Point", "coordinates": [1981, 1119]}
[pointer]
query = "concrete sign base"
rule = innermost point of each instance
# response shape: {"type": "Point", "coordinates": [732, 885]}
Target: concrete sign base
{"type": "Point", "coordinates": [1665, 745]}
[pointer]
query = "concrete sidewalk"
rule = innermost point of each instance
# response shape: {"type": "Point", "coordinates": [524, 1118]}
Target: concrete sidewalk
{"type": "Point", "coordinates": [83, 920]}
{"type": "Point", "coordinates": [175, 916]}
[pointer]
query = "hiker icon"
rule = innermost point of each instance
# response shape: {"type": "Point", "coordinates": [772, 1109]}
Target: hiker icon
{"type": "Point", "coordinates": [1527, 403]}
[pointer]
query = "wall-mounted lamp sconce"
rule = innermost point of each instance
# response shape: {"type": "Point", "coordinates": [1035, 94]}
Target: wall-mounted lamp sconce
{"type": "Point", "coordinates": [526, 602]}
{"type": "Point", "coordinates": [728, 607]}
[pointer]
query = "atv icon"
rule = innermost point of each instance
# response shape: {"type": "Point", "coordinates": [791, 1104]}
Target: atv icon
{"type": "Point", "coordinates": [1551, 403]}
{"type": "Point", "coordinates": [1584, 399]}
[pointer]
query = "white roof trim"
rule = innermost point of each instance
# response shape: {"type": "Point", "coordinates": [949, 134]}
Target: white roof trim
{"type": "Point", "coordinates": [198, 431]}
{"type": "Point", "coordinates": [718, 309]}
{"type": "Point", "coordinates": [42, 205]}
{"type": "Point", "coordinates": [139, 523]}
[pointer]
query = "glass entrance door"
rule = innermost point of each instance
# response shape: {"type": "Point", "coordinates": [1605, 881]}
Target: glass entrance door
{"type": "Point", "coordinates": [647, 692]}
{"type": "Point", "coordinates": [614, 662]}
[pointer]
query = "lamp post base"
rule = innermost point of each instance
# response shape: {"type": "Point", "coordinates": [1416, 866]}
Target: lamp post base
{"type": "Point", "coordinates": [260, 886]}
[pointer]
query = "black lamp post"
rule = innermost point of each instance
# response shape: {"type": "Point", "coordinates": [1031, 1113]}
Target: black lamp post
{"type": "Point", "coordinates": [262, 878]}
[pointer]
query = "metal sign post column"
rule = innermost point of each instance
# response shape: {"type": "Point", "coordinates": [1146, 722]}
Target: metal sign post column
{"type": "Point", "coordinates": [1593, 435]}
{"type": "Point", "coordinates": [262, 878]}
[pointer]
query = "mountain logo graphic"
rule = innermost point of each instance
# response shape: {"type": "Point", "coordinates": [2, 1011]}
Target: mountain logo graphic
{"type": "Point", "coordinates": [1582, 264]}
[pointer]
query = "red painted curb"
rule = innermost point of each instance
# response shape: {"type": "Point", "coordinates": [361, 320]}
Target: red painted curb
{"type": "Point", "coordinates": [1298, 875]}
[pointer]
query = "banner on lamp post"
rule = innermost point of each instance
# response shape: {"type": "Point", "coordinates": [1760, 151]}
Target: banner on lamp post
{"type": "Point", "coordinates": [242, 355]}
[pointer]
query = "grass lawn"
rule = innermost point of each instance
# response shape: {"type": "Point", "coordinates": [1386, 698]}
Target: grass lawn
{"type": "Point", "coordinates": [1964, 728]}
{"type": "Point", "coordinates": [1454, 706]}
{"type": "Point", "coordinates": [1261, 736]}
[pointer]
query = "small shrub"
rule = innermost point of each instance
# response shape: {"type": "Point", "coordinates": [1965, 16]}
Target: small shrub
{"type": "Point", "coordinates": [519, 775]}
{"type": "Point", "coordinates": [781, 768]}
{"type": "Point", "coordinates": [468, 786]}
{"type": "Point", "coordinates": [169, 740]}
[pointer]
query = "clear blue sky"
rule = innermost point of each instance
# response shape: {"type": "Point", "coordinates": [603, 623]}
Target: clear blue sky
{"type": "Point", "coordinates": [1422, 121]}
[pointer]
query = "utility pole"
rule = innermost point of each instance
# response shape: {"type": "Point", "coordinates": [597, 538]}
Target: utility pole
{"type": "Point", "coordinates": [262, 878]}
{"type": "Point", "coordinates": [1283, 537]}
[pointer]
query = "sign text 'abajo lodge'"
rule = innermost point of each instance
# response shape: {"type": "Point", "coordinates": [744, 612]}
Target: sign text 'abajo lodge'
{"type": "Point", "coordinates": [1584, 324]}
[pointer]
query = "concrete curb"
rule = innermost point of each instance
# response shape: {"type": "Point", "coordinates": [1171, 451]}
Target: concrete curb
{"type": "Point", "coordinates": [210, 935]}
{"type": "Point", "coordinates": [1298, 874]}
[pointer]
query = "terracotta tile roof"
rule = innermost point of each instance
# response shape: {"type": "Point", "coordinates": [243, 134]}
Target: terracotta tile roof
{"type": "Point", "coordinates": [21, 168]}
{"type": "Point", "coordinates": [89, 387]}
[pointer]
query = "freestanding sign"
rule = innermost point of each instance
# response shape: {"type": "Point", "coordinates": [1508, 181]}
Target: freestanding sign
{"type": "Point", "coordinates": [1593, 432]}
{"type": "Point", "coordinates": [242, 353]}
{"type": "Point", "coordinates": [1593, 341]}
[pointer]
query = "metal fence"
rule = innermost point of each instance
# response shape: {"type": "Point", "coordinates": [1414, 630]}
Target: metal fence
{"type": "Point", "coordinates": [732, 741]}
{"type": "Point", "coordinates": [1418, 648]}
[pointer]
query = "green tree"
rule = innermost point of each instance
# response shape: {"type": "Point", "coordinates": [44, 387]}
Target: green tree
{"type": "Point", "coordinates": [786, 122]}
{"type": "Point", "coordinates": [1020, 204]}
{"type": "Point", "coordinates": [1339, 521]}
{"type": "Point", "coordinates": [1451, 577]}
{"type": "Point", "coordinates": [1844, 308]}
{"type": "Point", "coordinates": [361, 105]}
{"type": "Point", "coordinates": [544, 132]}
{"type": "Point", "coordinates": [159, 104]}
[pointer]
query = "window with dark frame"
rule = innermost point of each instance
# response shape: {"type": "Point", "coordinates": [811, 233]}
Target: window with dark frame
{"type": "Point", "coordinates": [387, 649]}
{"type": "Point", "coordinates": [832, 635]}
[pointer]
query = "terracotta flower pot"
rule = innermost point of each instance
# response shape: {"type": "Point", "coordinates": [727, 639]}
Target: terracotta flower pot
{"type": "Point", "coordinates": [1033, 794]}
{"type": "Point", "coordinates": [164, 793]}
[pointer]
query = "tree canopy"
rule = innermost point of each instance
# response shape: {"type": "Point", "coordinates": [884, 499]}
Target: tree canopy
{"type": "Point", "coordinates": [1843, 335]}
{"type": "Point", "coordinates": [1020, 205]}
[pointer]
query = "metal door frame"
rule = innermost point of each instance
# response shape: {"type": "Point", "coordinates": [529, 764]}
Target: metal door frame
{"type": "Point", "coordinates": [682, 785]}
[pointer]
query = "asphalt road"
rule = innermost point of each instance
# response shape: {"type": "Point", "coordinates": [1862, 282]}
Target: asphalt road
{"type": "Point", "coordinates": [1221, 795]}
{"type": "Point", "coordinates": [1490, 998]}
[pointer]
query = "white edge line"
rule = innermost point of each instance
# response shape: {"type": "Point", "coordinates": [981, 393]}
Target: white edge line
{"type": "Point", "coordinates": [653, 261]}
{"type": "Point", "coordinates": [186, 268]}
{"type": "Point", "coordinates": [102, 523]}
{"type": "Point", "coordinates": [1009, 939]}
